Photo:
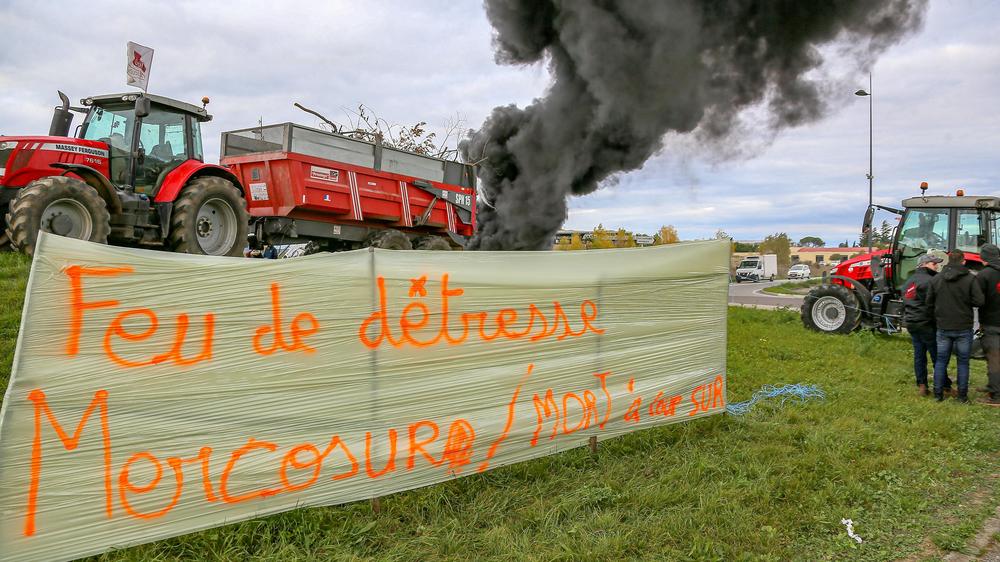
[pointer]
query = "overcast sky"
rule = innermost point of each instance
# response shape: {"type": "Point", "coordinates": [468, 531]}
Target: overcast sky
{"type": "Point", "coordinates": [936, 95]}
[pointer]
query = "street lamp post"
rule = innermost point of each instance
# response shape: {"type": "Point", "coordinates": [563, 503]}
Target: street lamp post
{"type": "Point", "coordinates": [871, 176]}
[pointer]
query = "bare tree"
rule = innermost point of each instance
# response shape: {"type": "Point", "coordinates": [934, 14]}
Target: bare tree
{"type": "Point", "coordinates": [365, 124]}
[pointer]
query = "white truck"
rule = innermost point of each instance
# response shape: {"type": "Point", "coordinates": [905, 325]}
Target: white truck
{"type": "Point", "coordinates": [757, 268]}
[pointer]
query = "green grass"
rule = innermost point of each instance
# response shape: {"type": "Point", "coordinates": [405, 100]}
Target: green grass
{"type": "Point", "coordinates": [794, 287]}
{"type": "Point", "coordinates": [13, 278]}
{"type": "Point", "coordinates": [772, 485]}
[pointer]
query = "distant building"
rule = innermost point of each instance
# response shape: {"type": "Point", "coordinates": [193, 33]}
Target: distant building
{"type": "Point", "coordinates": [824, 256]}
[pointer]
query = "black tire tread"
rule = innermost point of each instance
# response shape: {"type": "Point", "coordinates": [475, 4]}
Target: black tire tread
{"type": "Point", "coordinates": [851, 308]}
{"type": "Point", "coordinates": [22, 217]}
{"type": "Point", "coordinates": [432, 243]}
{"type": "Point", "coordinates": [390, 239]}
{"type": "Point", "coordinates": [185, 211]}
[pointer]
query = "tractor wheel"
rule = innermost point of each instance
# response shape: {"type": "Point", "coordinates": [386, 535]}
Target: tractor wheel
{"type": "Point", "coordinates": [60, 205]}
{"type": "Point", "coordinates": [210, 218]}
{"type": "Point", "coordinates": [432, 243]}
{"type": "Point", "coordinates": [390, 239]}
{"type": "Point", "coordinates": [832, 309]}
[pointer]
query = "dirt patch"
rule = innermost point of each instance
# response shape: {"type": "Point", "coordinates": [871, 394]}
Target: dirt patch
{"type": "Point", "coordinates": [983, 547]}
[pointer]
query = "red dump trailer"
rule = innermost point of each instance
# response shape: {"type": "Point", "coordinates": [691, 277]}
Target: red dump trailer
{"type": "Point", "coordinates": [307, 185]}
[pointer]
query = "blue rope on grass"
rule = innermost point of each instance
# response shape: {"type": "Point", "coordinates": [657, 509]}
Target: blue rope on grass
{"type": "Point", "coordinates": [801, 392]}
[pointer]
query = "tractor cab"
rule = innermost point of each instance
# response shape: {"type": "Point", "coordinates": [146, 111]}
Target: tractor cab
{"type": "Point", "coordinates": [147, 136]}
{"type": "Point", "coordinates": [944, 223]}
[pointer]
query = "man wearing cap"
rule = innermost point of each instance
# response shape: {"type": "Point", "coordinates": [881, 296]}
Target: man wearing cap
{"type": "Point", "coordinates": [989, 319]}
{"type": "Point", "coordinates": [920, 319]}
{"type": "Point", "coordinates": [952, 295]}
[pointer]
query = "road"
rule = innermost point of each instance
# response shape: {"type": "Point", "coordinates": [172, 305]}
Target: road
{"type": "Point", "coordinates": [748, 294]}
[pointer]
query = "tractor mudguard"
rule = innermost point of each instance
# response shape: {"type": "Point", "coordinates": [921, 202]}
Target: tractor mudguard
{"type": "Point", "coordinates": [176, 179]}
{"type": "Point", "coordinates": [864, 295]}
{"type": "Point", "coordinates": [95, 179]}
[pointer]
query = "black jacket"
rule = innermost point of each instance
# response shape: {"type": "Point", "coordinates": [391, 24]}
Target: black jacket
{"type": "Point", "coordinates": [989, 283]}
{"type": "Point", "coordinates": [918, 316]}
{"type": "Point", "coordinates": [952, 295]}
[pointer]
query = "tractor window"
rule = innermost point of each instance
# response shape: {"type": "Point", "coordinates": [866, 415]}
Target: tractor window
{"type": "Point", "coordinates": [921, 230]}
{"type": "Point", "coordinates": [196, 150]}
{"type": "Point", "coordinates": [970, 234]}
{"type": "Point", "coordinates": [994, 226]}
{"type": "Point", "coordinates": [113, 127]}
{"type": "Point", "coordinates": [162, 138]}
{"type": "Point", "coordinates": [110, 126]}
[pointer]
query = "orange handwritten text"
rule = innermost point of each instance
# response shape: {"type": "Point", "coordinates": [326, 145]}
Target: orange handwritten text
{"type": "Point", "coordinates": [581, 408]}
{"type": "Point", "coordinates": [298, 329]}
{"type": "Point", "coordinates": [117, 331]}
{"type": "Point", "coordinates": [421, 325]}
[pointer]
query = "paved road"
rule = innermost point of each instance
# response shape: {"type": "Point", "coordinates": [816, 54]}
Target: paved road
{"type": "Point", "coordinates": [748, 294]}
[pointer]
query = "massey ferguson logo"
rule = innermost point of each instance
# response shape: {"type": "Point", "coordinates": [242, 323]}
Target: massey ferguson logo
{"type": "Point", "coordinates": [137, 61]}
{"type": "Point", "coordinates": [75, 149]}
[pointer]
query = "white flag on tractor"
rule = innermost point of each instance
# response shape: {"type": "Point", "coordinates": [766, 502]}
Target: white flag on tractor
{"type": "Point", "coordinates": [140, 60]}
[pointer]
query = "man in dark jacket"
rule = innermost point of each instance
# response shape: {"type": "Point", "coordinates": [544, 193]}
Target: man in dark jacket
{"type": "Point", "coordinates": [952, 295]}
{"type": "Point", "coordinates": [920, 319]}
{"type": "Point", "coordinates": [989, 319]}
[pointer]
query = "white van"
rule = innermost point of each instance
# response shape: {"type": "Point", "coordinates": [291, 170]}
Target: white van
{"type": "Point", "coordinates": [757, 268]}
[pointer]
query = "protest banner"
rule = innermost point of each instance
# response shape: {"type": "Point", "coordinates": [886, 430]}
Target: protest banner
{"type": "Point", "coordinates": [154, 394]}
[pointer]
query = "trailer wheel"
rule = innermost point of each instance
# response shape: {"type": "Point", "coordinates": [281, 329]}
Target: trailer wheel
{"type": "Point", "coordinates": [432, 243]}
{"type": "Point", "coordinates": [209, 218]}
{"type": "Point", "coordinates": [60, 205]}
{"type": "Point", "coordinates": [390, 239]}
{"type": "Point", "coordinates": [832, 309]}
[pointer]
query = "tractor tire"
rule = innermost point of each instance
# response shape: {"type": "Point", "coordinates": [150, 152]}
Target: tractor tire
{"type": "Point", "coordinates": [432, 243]}
{"type": "Point", "coordinates": [60, 205]}
{"type": "Point", "coordinates": [832, 309]}
{"type": "Point", "coordinates": [210, 218]}
{"type": "Point", "coordinates": [389, 239]}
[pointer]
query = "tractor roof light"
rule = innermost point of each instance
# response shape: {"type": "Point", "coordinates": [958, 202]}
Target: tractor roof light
{"type": "Point", "coordinates": [960, 192]}
{"type": "Point", "coordinates": [87, 101]}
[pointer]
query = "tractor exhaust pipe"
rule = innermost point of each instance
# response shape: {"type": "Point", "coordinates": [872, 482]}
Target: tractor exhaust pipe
{"type": "Point", "coordinates": [62, 118]}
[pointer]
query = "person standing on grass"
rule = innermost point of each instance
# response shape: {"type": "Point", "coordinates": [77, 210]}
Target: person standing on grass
{"type": "Point", "coordinates": [952, 295]}
{"type": "Point", "coordinates": [920, 318]}
{"type": "Point", "coordinates": [989, 319]}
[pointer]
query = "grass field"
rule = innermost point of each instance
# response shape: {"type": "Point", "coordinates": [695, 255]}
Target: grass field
{"type": "Point", "coordinates": [916, 477]}
{"type": "Point", "coordinates": [794, 287]}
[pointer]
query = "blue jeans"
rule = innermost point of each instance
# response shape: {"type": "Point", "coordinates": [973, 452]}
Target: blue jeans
{"type": "Point", "coordinates": [924, 343]}
{"type": "Point", "coordinates": [961, 342]}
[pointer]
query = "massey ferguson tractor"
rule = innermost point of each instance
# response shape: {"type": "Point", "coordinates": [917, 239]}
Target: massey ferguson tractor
{"type": "Point", "coordinates": [134, 175]}
{"type": "Point", "coordinates": [858, 294]}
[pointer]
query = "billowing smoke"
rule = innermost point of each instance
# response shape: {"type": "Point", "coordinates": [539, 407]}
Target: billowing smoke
{"type": "Point", "coordinates": [627, 73]}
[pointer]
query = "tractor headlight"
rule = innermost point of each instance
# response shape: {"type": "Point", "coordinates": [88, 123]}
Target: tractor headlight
{"type": "Point", "coordinates": [6, 145]}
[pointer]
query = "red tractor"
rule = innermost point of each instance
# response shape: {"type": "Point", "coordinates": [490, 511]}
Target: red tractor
{"type": "Point", "coordinates": [858, 296]}
{"type": "Point", "coordinates": [134, 175]}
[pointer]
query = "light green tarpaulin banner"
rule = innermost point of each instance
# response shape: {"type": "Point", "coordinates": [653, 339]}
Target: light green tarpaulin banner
{"type": "Point", "coordinates": [155, 394]}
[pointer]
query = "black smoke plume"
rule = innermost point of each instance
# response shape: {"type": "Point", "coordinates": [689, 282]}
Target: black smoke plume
{"type": "Point", "coordinates": [627, 73]}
